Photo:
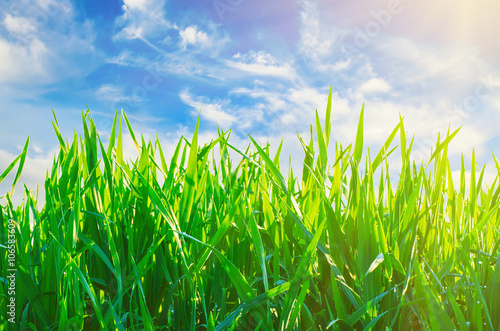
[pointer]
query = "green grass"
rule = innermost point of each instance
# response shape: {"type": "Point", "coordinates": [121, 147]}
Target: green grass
{"type": "Point", "coordinates": [201, 242]}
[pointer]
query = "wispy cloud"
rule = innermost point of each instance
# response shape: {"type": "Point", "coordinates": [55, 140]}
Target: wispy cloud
{"type": "Point", "coordinates": [113, 93]}
{"type": "Point", "coordinates": [288, 109]}
{"type": "Point", "coordinates": [53, 8]}
{"type": "Point", "coordinates": [210, 111]}
{"type": "Point", "coordinates": [320, 45]}
{"type": "Point", "coordinates": [262, 64]}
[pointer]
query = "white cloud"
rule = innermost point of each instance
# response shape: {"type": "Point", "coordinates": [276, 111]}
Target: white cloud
{"type": "Point", "coordinates": [41, 46]}
{"type": "Point", "coordinates": [19, 25]}
{"type": "Point", "coordinates": [309, 99]}
{"type": "Point", "coordinates": [489, 175]}
{"type": "Point", "coordinates": [35, 54]}
{"type": "Point", "coordinates": [341, 65]}
{"type": "Point", "coordinates": [374, 85]}
{"type": "Point", "coordinates": [211, 111]}
{"type": "Point", "coordinates": [54, 8]}
{"type": "Point", "coordinates": [183, 64]}
{"type": "Point", "coordinates": [313, 42]}
{"type": "Point", "coordinates": [288, 109]}
{"type": "Point", "coordinates": [193, 36]}
{"type": "Point", "coordinates": [141, 19]}
{"type": "Point", "coordinates": [392, 74]}
{"type": "Point", "coordinates": [288, 119]}
{"type": "Point", "coordinates": [25, 63]}
{"type": "Point", "coordinates": [321, 44]}
{"type": "Point", "coordinates": [110, 92]}
{"type": "Point", "coordinates": [274, 99]}
{"type": "Point", "coordinates": [420, 62]}
{"type": "Point", "coordinates": [209, 41]}
{"type": "Point", "coordinates": [136, 4]}
{"type": "Point", "coordinates": [127, 59]}
{"type": "Point", "coordinates": [422, 80]}
{"type": "Point", "coordinates": [262, 63]}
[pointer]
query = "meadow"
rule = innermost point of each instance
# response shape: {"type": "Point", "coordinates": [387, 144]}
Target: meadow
{"type": "Point", "coordinates": [203, 242]}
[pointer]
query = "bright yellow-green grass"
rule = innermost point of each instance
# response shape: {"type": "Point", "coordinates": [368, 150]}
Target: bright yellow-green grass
{"type": "Point", "coordinates": [201, 243]}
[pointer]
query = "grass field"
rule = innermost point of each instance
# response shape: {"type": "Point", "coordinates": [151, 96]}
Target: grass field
{"type": "Point", "coordinates": [201, 242]}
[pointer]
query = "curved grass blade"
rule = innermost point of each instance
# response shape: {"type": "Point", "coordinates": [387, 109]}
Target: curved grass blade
{"type": "Point", "coordinates": [252, 303]}
{"type": "Point", "coordinates": [20, 158]}
{"type": "Point", "coordinates": [358, 314]}
{"type": "Point", "coordinates": [442, 145]}
{"type": "Point", "coordinates": [131, 131]}
{"type": "Point", "coordinates": [271, 166]}
{"type": "Point", "coordinates": [10, 167]}
{"type": "Point", "coordinates": [382, 154]}
{"type": "Point", "coordinates": [242, 287]}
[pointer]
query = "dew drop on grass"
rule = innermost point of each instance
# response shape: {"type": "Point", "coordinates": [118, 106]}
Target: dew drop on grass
{"type": "Point", "coordinates": [480, 262]}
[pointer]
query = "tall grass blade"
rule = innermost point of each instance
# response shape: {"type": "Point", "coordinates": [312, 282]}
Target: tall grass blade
{"type": "Point", "coordinates": [358, 147]}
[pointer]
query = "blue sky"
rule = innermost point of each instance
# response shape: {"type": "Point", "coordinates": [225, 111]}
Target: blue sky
{"type": "Point", "coordinates": [259, 67]}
